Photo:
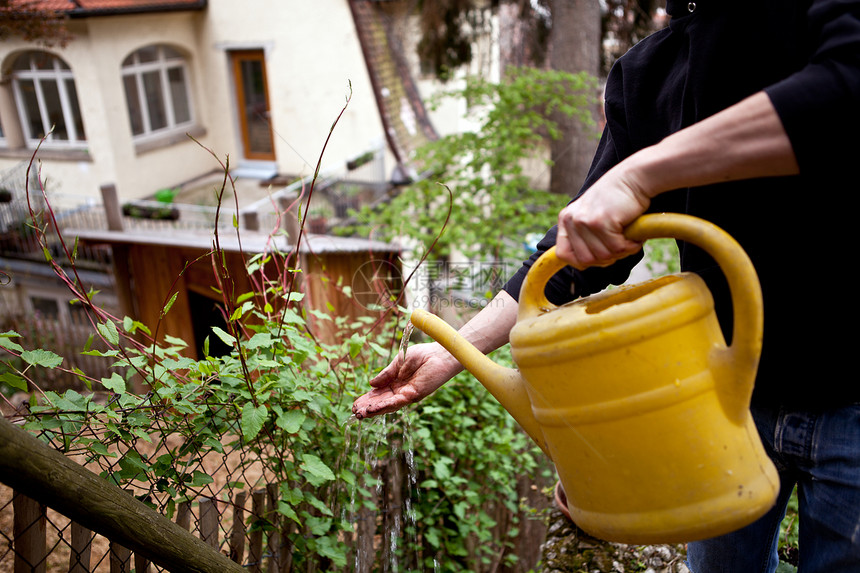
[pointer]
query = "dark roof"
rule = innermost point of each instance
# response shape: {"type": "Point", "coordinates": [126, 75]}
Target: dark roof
{"type": "Point", "coordinates": [82, 8]}
{"type": "Point", "coordinates": [252, 242]}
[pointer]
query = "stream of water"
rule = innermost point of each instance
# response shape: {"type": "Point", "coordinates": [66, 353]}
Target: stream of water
{"type": "Point", "coordinates": [404, 340]}
{"type": "Point", "coordinates": [402, 526]}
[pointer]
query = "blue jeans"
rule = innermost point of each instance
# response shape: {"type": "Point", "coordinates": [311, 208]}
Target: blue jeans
{"type": "Point", "coordinates": [820, 452]}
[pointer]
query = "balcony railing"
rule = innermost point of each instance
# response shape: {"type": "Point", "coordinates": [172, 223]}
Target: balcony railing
{"type": "Point", "coordinates": [337, 192]}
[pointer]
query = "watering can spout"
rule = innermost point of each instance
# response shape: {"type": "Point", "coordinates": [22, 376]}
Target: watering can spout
{"type": "Point", "coordinates": [505, 384]}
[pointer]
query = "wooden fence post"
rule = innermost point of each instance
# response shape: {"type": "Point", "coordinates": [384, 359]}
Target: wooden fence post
{"type": "Point", "coordinates": [120, 558]}
{"type": "Point", "coordinates": [365, 532]}
{"type": "Point", "coordinates": [237, 533]}
{"type": "Point", "coordinates": [38, 471]}
{"type": "Point", "coordinates": [393, 523]}
{"type": "Point", "coordinates": [141, 564]}
{"type": "Point", "coordinates": [255, 549]}
{"type": "Point", "coordinates": [183, 515]}
{"type": "Point", "coordinates": [29, 534]}
{"type": "Point", "coordinates": [81, 549]}
{"type": "Point", "coordinates": [290, 207]}
{"type": "Point", "coordinates": [113, 210]}
{"type": "Point", "coordinates": [275, 557]}
{"type": "Point", "coordinates": [208, 522]}
{"type": "Point", "coordinates": [251, 220]}
{"type": "Point", "coordinates": [119, 256]}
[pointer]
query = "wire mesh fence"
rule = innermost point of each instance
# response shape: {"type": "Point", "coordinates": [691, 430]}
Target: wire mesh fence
{"type": "Point", "coordinates": [305, 489]}
{"type": "Point", "coordinates": [222, 493]}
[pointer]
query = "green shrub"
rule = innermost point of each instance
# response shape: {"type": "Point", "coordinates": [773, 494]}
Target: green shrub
{"type": "Point", "coordinates": [481, 176]}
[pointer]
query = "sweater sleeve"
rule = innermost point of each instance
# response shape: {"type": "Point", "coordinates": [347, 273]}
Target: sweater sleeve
{"type": "Point", "coordinates": [570, 283]}
{"type": "Point", "coordinates": [819, 105]}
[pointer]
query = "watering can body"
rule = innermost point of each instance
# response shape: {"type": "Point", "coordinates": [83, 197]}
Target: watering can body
{"type": "Point", "coordinates": [636, 398]}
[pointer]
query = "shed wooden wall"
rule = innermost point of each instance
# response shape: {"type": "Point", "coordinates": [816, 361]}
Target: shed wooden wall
{"type": "Point", "coordinates": [157, 272]}
{"type": "Point", "coordinates": [326, 275]}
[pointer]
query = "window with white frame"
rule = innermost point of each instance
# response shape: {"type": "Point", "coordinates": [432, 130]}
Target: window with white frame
{"type": "Point", "coordinates": [47, 100]}
{"type": "Point", "coordinates": [156, 91]}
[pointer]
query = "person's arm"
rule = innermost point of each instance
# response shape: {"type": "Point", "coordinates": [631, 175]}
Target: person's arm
{"type": "Point", "coordinates": [428, 366]}
{"type": "Point", "coordinates": [746, 140]}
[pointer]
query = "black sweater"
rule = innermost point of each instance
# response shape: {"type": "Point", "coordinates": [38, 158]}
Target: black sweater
{"type": "Point", "coordinates": [798, 231]}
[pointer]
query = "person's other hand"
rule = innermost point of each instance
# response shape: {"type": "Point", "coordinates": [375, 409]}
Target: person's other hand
{"type": "Point", "coordinates": [591, 229]}
{"type": "Point", "coordinates": [403, 382]}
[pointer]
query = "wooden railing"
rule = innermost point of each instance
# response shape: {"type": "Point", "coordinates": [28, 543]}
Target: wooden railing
{"type": "Point", "coordinates": [31, 545]}
{"type": "Point", "coordinates": [48, 478]}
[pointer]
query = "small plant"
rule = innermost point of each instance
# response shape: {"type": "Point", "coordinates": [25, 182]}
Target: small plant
{"type": "Point", "coordinates": [162, 209]}
{"type": "Point", "coordinates": [166, 195]}
{"type": "Point", "coordinates": [144, 211]}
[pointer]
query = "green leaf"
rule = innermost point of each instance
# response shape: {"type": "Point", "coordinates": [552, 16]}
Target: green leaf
{"type": "Point", "coordinates": [199, 479]}
{"type": "Point", "coordinates": [100, 449]}
{"type": "Point", "coordinates": [356, 343]}
{"type": "Point", "coordinates": [173, 341]}
{"type": "Point", "coordinates": [295, 296]}
{"type": "Point", "coordinates": [318, 525]}
{"type": "Point", "coordinates": [14, 381]}
{"type": "Point", "coordinates": [109, 331]}
{"type": "Point", "coordinates": [115, 383]}
{"type": "Point", "coordinates": [41, 357]}
{"type": "Point", "coordinates": [460, 510]}
{"type": "Point", "coordinates": [320, 505]}
{"type": "Point", "coordinates": [132, 461]}
{"type": "Point", "coordinates": [243, 297]}
{"type": "Point", "coordinates": [131, 326]}
{"type": "Point", "coordinates": [287, 510]}
{"type": "Point", "coordinates": [8, 344]}
{"type": "Point", "coordinates": [259, 340]}
{"type": "Point", "coordinates": [109, 353]}
{"type": "Point", "coordinates": [291, 421]}
{"type": "Point", "coordinates": [432, 537]}
{"type": "Point", "coordinates": [316, 472]}
{"type": "Point", "coordinates": [441, 470]}
{"type": "Point", "coordinates": [169, 304]}
{"type": "Point", "coordinates": [332, 549]}
{"type": "Point", "coordinates": [253, 418]}
{"type": "Point", "coordinates": [225, 337]}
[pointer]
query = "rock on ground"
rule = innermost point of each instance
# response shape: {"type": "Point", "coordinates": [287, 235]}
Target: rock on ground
{"type": "Point", "coordinates": [568, 549]}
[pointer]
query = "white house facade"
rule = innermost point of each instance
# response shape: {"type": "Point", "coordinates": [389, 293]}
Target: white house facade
{"type": "Point", "coordinates": [258, 81]}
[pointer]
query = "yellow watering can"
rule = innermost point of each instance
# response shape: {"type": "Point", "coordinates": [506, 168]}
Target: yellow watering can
{"type": "Point", "coordinates": [635, 396]}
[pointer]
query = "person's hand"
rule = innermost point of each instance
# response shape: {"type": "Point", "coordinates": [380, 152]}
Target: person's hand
{"type": "Point", "coordinates": [403, 382]}
{"type": "Point", "coordinates": [591, 229]}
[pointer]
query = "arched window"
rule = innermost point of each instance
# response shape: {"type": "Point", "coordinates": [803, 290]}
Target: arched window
{"type": "Point", "coordinates": [156, 91]}
{"type": "Point", "coordinates": [47, 100]}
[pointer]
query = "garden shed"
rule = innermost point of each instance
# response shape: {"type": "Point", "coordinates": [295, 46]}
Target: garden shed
{"type": "Point", "coordinates": [341, 276]}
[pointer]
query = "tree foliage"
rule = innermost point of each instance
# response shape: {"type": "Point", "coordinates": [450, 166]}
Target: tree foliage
{"type": "Point", "coordinates": [625, 22]}
{"type": "Point", "coordinates": [481, 176]}
{"type": "Point", "coordinates": [449, 28]}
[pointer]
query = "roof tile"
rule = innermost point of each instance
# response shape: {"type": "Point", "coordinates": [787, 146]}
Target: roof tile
{"type": "Point", "coordinates": [108, 5]}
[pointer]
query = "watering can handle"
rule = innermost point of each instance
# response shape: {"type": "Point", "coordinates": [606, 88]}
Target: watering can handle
{"type": "Point", "coordinates": [732, 259]}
